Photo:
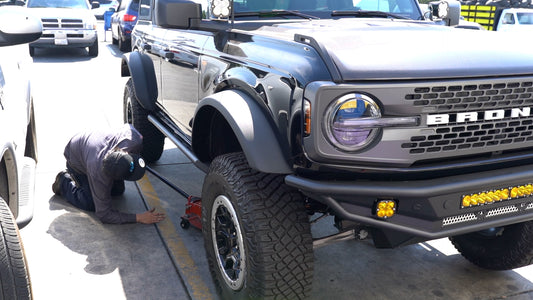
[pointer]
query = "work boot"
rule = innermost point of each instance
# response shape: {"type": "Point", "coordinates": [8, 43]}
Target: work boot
{"type": "Point", "coordinates": [56, 186]}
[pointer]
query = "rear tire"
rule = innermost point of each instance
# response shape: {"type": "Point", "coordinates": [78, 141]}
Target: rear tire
{"type": "Point", "coordinates": [501, 248]}
{"type": "Point", "coordinates": [14, 275]}
{"type": "Point", "coordinates": [256, 233]}
{"type": "Point", "coordinates": [122, 44]}
{"type": "Point", "coordinates": [32, 51]}
{"type": "Point", "coordinates": [135, 114]}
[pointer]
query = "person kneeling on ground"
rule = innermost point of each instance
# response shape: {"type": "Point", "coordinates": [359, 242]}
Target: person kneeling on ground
{"type": "Point", "coordinates": [98, 162]}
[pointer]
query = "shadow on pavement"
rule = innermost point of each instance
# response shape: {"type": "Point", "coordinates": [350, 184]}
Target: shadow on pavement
{"type": "Point", "coordinates": [135, 250]}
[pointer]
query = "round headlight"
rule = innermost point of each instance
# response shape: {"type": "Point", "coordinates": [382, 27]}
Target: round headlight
{"type": "Point", "coordinates": [349, 122]}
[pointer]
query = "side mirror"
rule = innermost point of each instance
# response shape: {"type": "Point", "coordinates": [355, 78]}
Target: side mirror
{"type": "Point", "coordinates": [18, 26]}
{"type": "Point", "coordinates": [95, 4]}
{"type": "Point", "coordinates": [181, 14]}
{"type": "Point", "coordinates": [449, 11]}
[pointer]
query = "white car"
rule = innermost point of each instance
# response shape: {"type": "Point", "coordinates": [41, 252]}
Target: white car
{"type": "Point", "coordinates": [18, 150]}
{"type": "Point", "coordinates": [66, 23]}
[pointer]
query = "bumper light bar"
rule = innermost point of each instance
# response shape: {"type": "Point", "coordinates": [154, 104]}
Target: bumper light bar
{"type": "Point", "coordinates": [499, 195]}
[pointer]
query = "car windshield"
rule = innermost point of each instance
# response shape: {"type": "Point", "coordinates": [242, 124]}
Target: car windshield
{"type": "Point", "coordinates": [332, 8]}
{"type": "Point", "coordinates": [59, 3]}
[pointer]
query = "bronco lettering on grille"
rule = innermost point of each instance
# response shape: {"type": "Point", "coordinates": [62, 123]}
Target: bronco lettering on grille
{"type": "Point", "coordinates": [474, 116]}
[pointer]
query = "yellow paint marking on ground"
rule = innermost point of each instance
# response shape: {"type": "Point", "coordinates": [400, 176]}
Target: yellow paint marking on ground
{"type": "Point", "coordinates": [176, 246]}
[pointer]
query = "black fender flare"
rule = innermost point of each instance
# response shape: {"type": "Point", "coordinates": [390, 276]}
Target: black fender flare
{"type": "Point", "coordinates": [256, 135]}
{"type": "Point", "coordinates": [141, 69]}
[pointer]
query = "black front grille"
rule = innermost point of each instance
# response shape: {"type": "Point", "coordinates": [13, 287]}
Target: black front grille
{"type": "Point", "coordinates": [482, 135]}
{"type": "Point", "coordinates": [473, 96]}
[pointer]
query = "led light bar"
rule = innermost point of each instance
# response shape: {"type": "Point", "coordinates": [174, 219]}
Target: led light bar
{"type": "Point", "coordinates": [487, 197]}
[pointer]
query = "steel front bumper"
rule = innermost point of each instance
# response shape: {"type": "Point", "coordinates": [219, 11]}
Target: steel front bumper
{"type": "Point", "coordinates": [427, 208]}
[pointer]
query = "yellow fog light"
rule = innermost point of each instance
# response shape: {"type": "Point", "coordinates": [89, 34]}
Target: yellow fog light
{"type": "Point", "coordinates": [385, 208]}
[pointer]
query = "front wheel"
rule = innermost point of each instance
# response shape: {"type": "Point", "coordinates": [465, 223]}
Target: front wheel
{"type": "Point", "coordinates": [136, 115]}
{"type": "Point", "coordinates": [256, 232]}
{"type": "Point", "coordinates": [14, 275]}
{"type": "Point", "coordinates": [93, 49]}
{"type": "Point", "coordinates": [500, 248]}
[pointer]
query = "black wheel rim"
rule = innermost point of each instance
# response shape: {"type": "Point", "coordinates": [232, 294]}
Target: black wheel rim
{"type": "Point", "coordinates": [228, 243]}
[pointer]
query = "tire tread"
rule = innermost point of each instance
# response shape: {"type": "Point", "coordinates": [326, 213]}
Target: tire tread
{"type": "Point", "coordinates": [276, 227]}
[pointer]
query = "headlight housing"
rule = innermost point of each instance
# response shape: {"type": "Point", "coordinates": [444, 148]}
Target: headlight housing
{"type": "Point", "coordinates": [350, 121]}
{"type": "Point", "coordinates": [90, 23]}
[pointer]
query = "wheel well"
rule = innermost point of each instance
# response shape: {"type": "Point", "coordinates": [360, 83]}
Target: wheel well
{"type": "Point", "coordinates": [213, 135]}
{"type": "Point", "coordinates": [296, 138]}
{"type": "Point", "coordinates": [4, 187]}
{"type": "Point", "coordinates": [31, 137]}
{"type": "Point", "coordinates": [8, 178]}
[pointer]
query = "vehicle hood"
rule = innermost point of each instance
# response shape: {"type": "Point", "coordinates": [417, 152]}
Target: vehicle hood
{"type": "Point", "coordinates": [377, 49]}
{"type": "Point", "coordinates": [63, 13]}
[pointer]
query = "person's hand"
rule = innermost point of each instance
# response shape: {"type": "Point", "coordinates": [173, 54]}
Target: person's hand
{"type": "Point", "coordinates": [150, 217]}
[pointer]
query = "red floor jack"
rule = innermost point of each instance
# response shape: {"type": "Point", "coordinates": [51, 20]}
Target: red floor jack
{"type": "Point", "coordinates": [193, 208]}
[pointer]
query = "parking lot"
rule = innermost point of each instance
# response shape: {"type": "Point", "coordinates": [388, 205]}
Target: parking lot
{"type": "Point", "coordinates": [71, 255]}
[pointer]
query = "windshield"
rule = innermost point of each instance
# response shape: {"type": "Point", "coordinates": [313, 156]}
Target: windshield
{"type": "Point", "coordinates": [59, 3]}
{"type": "Point", "coordinates": [325, 8]}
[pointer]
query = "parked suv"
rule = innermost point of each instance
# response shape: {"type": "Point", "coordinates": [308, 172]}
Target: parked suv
{"type": "Point", "coordinates": [66, 23]}
{"type": "Point", "coordinates": [18, 149]}
{"type": "Point", "coordinates": [302, 107]}
{"type": "Point", "coordinates": [122, 23]}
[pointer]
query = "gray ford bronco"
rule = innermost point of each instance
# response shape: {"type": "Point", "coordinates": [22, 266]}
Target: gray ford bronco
{"type": "Point", "coordinates": [403, 128]}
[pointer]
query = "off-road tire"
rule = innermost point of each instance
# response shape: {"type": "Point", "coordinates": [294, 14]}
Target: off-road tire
{"type": "Point", "coordinates": [504, 248]}
{"type": "Point", "coordinates": [135, 114]}
{"type": "Point", "coordinates": [14, 275]}
{"type": "Point", "coordinates": [268, 218]}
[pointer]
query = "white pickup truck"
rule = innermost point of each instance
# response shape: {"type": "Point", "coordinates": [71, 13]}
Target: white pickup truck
{"type": "Point", "coordinates": [66, 23]}
{"type": "Point", "coordinates": [499, 18]}
{"type": "Point", "coordinates": [516, 19]}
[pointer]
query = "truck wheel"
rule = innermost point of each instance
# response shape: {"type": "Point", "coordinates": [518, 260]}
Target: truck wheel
{"type": "Point", "coordinates": [14, 275]}
{"type": "Point", "coordinates": [32, 51]}
{"type": "Point", "coordinates": [500, 248]}
{"type": "Point", "coordinates": [93, 49]}
{"type": "Point", "coordinates": [135, 114]}
{"type": "Point", "coordinates": [256, 233]}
